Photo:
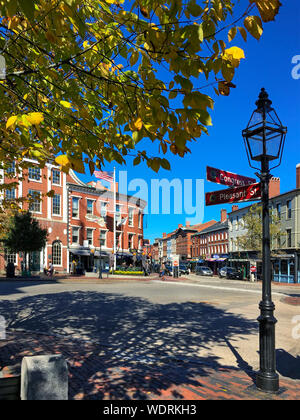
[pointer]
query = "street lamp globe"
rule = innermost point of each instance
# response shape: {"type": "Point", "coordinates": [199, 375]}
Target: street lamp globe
{"type": "Point", "coordinates": [265, 135]}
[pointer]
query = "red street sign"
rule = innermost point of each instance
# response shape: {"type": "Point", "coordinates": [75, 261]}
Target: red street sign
{"type": "Point", "coordinates": [227, 178]}
{"type": "Point", "coordinates": [234, 195]}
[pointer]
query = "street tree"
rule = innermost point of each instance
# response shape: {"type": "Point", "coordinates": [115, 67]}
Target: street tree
{"type": "Point", "coordinates": [86, 81]}
{"type": "Point", "coordinates": [24, 235]}
{"type": "Point", "coordinates": [252, 240]}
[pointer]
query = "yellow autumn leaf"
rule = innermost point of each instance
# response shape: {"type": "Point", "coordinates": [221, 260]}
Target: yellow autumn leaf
{"type": "Point", "coordinates": [136, 125]}
{"type": "Point", "coordinates": [234, 55]}
{"type": "Point", "coordinates": [66, 104]}
{"type": "Point", "coordinates": [62, 160]}
{"type": "Point", "coordinates": [35, 118]}
{"type": "Point", "coordinates": [11, 121]}
{"type": "Point", "coordinates": [268, 9]}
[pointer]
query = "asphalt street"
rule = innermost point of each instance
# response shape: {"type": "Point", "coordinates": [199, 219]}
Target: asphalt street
{"type": "Point", "coordinates": [204, 318]}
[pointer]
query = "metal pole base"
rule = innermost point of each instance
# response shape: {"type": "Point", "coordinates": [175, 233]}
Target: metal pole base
{"type": "Point", "coordinates": [267, 383]}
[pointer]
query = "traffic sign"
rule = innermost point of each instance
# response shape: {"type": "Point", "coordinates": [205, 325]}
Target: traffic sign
{"type": "Point", "coordinates": [227, 178]}
{"type": "Point", "coordinates": [234, 195]}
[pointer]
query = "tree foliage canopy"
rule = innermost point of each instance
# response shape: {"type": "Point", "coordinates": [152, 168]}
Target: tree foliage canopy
{"type": "Point", "coordinates": [86, 81]}
{"type": "Point", "coordinates": [24, 234]}
{"type": "Point", "coordinates": [252, 240]}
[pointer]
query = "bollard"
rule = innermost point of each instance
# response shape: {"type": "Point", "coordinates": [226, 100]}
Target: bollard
{"type": "Point", "coordinates": [44, 378]}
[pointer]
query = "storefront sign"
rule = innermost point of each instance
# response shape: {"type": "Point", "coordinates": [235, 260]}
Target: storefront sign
{"type": "Point", "coordinates": [234, 195]}
{"type": "Point", "coordinates": [227, 178]}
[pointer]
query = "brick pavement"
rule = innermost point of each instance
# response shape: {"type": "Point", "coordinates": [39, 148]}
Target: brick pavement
{"type": "Point", "coordinates": [98, 372]}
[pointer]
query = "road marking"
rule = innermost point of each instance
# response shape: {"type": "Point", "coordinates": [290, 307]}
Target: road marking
{"type": "Point", "coordinates": [234, 289]}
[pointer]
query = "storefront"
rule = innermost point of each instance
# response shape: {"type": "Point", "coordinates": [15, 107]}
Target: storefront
{"type": "Point", "coordinates": [217, 262]}
{"type": "Point", "coordinates": [286, 268]}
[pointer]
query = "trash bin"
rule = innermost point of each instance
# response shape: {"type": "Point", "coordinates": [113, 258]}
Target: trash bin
{"type": "Point", "coordinates": [10, 270]}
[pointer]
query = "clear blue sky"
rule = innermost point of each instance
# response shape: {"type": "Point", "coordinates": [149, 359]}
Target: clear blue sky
{"type": "Point", "coordinates": [268, 64]}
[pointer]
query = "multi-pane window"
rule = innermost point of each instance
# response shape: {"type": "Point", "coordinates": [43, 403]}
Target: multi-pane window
{"type": "Point", "coordinates": [10, 257]}
{"type": "Point", "coordinates": [75, 235]}
{"type": "Point", "coordinates": [130, 216]}
{"type": "Point", "coordinates": [10, 194]}
{"type": "Point", "coordinates": [35, 201]}
{"type": "Point", "coordinates": [89, 236]}
{"type": "Point", "coordinates": [55, 176]}
{"type": "Point", "coordinates": [89, 206]}
{"type": "Point", "coordinates": [289, 209]}
{"type": "Point", "coordinates": [103, 237]}
{"type": "Point", "coordinates": [75, 207]}
{"type": "Point", "coordinates": [11, 170]}
{"type": "Point", "coordinates": [130, 241]}
{"type": "Point", "coordinates": [278, 208]}
{"type": "Point", "coordinates": [56, 253]}
{"type": "Point", "coordinates": [34, 173]}
{"type": "Point", "coordinates": [56, 205]}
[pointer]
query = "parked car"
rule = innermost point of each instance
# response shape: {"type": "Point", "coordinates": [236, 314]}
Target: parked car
{"type": "Point", "coordinates": [233, 273]}
{"type": "Point", "coordinates": [183, 269]}
{"type": "Point", "coordinates": [204, 271]}
{"type": "Point", "coordinates": [223, 271]}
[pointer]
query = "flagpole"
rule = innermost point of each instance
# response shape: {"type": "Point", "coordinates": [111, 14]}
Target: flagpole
{"type": "Point", "coordinates": [115, 197]}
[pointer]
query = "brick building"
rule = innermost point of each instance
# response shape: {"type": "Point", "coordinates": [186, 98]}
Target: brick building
{"type": "Point", "coordinates": [179, 242]}
{"type": "Point", "coordinates": [79, 218]}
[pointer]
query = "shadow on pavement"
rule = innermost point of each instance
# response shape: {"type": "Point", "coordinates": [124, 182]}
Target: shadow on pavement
{"type": "Point", "coordinates": [287, 364]}
{"type": "Point", "coordinates": [133, 347]}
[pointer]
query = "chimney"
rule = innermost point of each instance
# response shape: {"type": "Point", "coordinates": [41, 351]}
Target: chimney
{"type": "Point", "coordinates": [188, 224]}
{"type": "Point", "coordinates": [164, 235]}
{"type": "Point", "coordinates": [235, 207]}
{"type": "Point", "coordinates": [274, 187]}
{"type": "Point", "coordinates": [298, 176]}
{"type": "Point", "coordinates": [180, 226]}
{"type": "Point", "coordinates": [223, 215]}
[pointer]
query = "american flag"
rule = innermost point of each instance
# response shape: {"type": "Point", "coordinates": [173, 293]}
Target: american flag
{"type": "Point", "coordinates": [107, 176]}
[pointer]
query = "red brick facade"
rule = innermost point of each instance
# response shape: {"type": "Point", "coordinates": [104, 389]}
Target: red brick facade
{"type": "Point", "coordinates": [74, 219]}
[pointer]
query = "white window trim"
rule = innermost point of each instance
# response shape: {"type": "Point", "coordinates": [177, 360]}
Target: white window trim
{"type": "Point", "coordinates": [60, 176]}
{"type": "Point", "coordinates": [60, 206]}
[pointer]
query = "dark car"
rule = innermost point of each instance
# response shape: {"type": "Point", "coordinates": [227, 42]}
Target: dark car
{"type": "Point", "coordinates": [233, 273]}
{"type": "Point", "coordinates": [223, 271]}
{"type": "Point", "coordinates": [204, 271]}
{"type": "Point", "coordinates": [183, 269]}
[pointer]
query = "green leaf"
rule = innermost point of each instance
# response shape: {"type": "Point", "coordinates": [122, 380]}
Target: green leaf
{"type": "Point", "coordinates": [28, 8]}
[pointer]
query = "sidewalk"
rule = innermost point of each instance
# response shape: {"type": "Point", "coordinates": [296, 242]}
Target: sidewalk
{"type": "Point", "coordinates": [102, 373]}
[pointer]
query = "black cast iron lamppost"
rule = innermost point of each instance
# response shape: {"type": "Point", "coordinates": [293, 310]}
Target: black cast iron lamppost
{"type": "Point", "coordinates": [264, 139]}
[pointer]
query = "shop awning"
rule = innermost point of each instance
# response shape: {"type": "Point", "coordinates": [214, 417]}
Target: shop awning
{"type": "Point", "coordinates": [103, 254]}
{"type": "Point", "coordinates": [82, 252]}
